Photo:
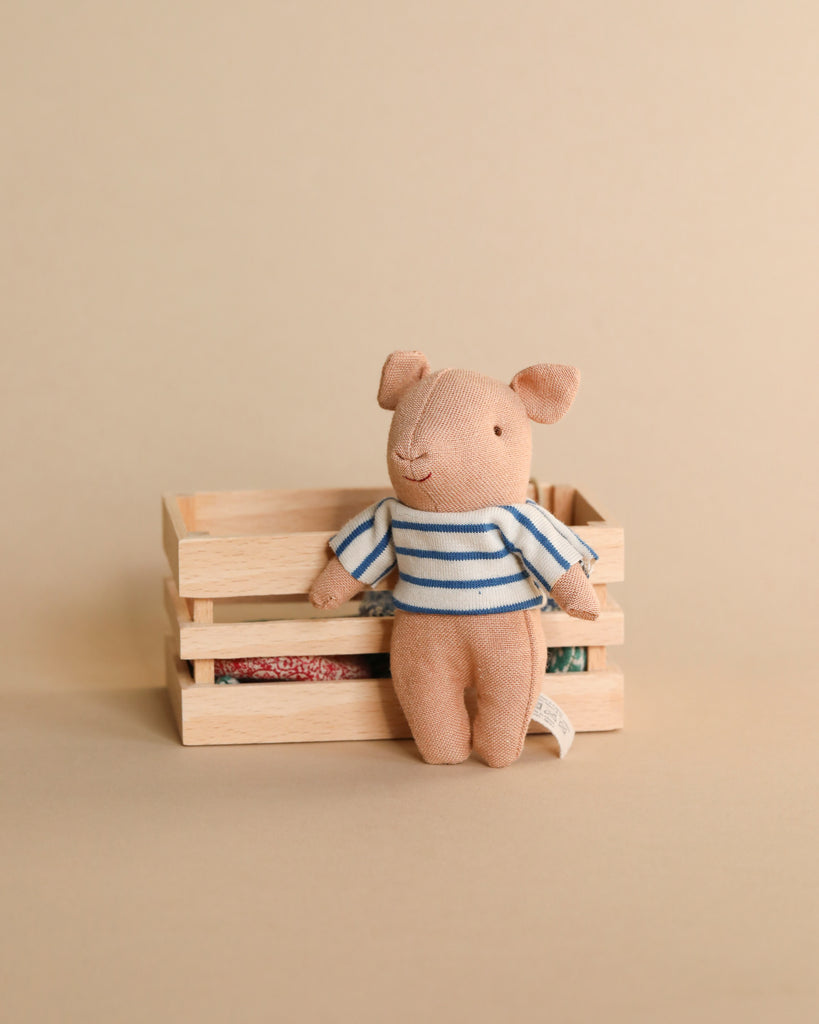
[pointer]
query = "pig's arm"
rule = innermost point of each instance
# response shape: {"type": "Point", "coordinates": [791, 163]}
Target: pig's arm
{"type": "Point", "coordinates": [575, 594]}
{"type": "Point", "coordinates": [333, 586]}
{"type": "Point", "coordinates": [553, 555]}
{"type": "Point", "coordinates": [365, 544]}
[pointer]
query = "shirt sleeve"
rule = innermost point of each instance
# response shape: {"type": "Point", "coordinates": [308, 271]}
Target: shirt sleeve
{"type": "Point", "coordinates": [364, 545]}
{"type": "Point", "coordinates": [547, 547]}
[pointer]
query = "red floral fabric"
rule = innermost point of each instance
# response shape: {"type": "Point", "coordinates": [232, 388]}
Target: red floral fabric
{"type": "Point", "coordinates": [303, 667]}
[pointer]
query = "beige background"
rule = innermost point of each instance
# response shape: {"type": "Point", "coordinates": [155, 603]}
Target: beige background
{"type": "Point", "coordinates": [218, 220]}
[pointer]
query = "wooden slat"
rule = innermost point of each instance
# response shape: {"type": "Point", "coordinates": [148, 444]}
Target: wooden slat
{"type": "Point", "coordinates": [362, 635]}
{"type": "Point", "coordinates": [216, 567]}
{"type": "Point", "coordinates": [358, 635]}
{"type": "Point", "coordinates": [595, 658]}
{"type": "Point", "coordinates": [255, 563]}
{"type": "Point", "coordinates": [225, 513]}
{"type": "Point", "coordinates": [350, 709]}
{"type": "Point", "coordinates": [251, 566]}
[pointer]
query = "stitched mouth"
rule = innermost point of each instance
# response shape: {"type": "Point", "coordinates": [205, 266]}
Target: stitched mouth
{"type": "Point", "coordinates": [418, 481]}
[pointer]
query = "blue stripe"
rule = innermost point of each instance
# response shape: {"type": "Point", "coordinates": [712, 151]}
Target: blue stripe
{"type": "Point", "coordinates": [403, 524]}
{"type": "Point", "coordinates": [351, 536]}
{"type": "Point", "coordinates": [386, 572]}
{"type": "Point", "coordinates": [362, 567]}
{"type": "Point", "coordinates": [451, 556]}
{"type": "Point", "coordinates": [493, 581]}
{"type": "Point", "coordinates": [361, 528]}
{"type": "Point", "coordinates": [588, 547]}
{"type": "Point", "coordinates": [544, 540]}
{"type": "Point", "coordinates": [519, 607]}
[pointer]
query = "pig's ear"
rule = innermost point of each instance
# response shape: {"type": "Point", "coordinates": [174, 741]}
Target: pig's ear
{"type": "Point", "coordinates": [401, 371]}
{"type": "Point", "coordinates": [547, 390]}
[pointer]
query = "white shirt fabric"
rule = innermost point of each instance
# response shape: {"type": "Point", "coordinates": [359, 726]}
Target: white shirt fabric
{"type": "Point", "coordinates": [498, 559]}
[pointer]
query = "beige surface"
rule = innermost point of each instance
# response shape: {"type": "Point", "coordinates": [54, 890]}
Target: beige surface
{"type": "Point", "coordinates": [218, 217]}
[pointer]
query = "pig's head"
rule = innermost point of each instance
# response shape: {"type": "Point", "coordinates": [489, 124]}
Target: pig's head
{"type": "Point", "coordinates": [461, 441]}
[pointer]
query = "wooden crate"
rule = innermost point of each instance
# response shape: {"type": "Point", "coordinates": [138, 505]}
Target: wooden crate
{"type": "Point", "coordinates": [242, 563]}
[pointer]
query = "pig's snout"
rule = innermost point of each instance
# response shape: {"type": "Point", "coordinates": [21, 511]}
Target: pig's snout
{"type": "Point", "coordinates": [410, 457]}
{"type": "Point", "coordinates": [412, 466]}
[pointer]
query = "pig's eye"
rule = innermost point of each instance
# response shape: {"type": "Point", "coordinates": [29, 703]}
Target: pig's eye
{"type": "Point", "coordinates": [498, 431]}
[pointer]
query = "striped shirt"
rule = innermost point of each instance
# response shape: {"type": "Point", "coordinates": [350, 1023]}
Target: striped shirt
{"type": "Point", "coordinates": [498, 559]}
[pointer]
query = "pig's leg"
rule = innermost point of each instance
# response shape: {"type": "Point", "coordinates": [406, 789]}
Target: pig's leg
{"type": "Point", "coordinates": [510, 660]}
{"type": "Point", "coordinates": [430, 670]}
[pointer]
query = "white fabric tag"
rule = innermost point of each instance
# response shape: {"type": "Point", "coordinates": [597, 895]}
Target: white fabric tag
{"type": "Point", "coordinates": [556, 721]}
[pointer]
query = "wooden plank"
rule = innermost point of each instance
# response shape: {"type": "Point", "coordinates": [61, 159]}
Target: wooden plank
{"type": "Point", "coordinates": [252, 565]}
{"type": "Point", "coordinates": [349, 634]}
{"type": "Point", "coordinates": [351, 709]}
{"type": "Point", "coordinates": [353, 635]}
{"type": "Point", "coordinates": [562, 630]}
{"type": "Point", "coordinates": [362, 635]}
{"type": "Point", "coordinates": [595, 658]}
{"type": "Point", "coordinates": [226, 513]}
{"type": "Point", "coordinates": [255, 562]}
{"type": "Point", "coordinates": [217, 567]}
{"type": "Point", "coordinates": [286, 712]}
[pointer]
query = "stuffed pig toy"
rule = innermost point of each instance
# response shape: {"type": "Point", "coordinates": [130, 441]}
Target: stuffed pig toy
{"type": "Point", "coordinates": [475, 558]}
